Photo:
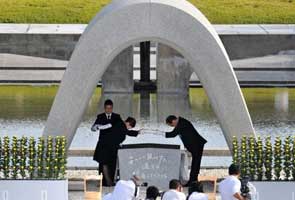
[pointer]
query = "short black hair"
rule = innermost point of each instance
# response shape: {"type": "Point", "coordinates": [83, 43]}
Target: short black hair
{"type": "Point", "coordinates": [170, 118]}
{"type": "Point", "coordinates": [131, 121]}
{"type": "Point", "coordinates": [152, 192]}
{"type": "Point", "coordinates": [234, 169]}
{"type": "Point", "coordinates": [108, 102]}
{"type": "Point", "coordinates": [174, 184]}
{"type": "Point", "coordinates": [195, 187]}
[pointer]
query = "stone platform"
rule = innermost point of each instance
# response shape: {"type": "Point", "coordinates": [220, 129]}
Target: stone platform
{"type": "Point", "coordinates": [272, 70]}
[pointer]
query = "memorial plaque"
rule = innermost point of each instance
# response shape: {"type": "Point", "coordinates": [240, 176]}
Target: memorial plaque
{"type": "Point", "coordinates": [155, 164]}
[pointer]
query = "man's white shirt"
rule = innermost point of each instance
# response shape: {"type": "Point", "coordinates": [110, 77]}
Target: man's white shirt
{"type": "Point", "coordinates": [228, 187]}
{"type": "Point", "coordinates": [108, 116]}
{"type": "Point", "coordinates": [124, 190]}
{"type": "Point", "coordinates": [198, 196]}
{"type": "Point", "coordinates": [173, 195]}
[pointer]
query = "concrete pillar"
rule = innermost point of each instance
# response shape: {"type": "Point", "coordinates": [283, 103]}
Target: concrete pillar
{"type": "Point", "coordinates": [145, 61]}
{"type": "Point", "coordinates": [118, 78]}
{"type": "Point", "coordinates": [173, 71]}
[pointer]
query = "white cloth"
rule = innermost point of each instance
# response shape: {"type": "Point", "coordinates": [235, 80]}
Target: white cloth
{"type": "Point", "coordinates": [97, 127]}
{"type": "Point", "coordinates": [228, 187]}
{"type": "Point", "coordinates": [198, 196]}
{"type": "Point", "coordinates": [103, 127]}
{"type": "Point", "coordinates": [173, 195]}
{"type": "Point", "coordinates": [124, 190]}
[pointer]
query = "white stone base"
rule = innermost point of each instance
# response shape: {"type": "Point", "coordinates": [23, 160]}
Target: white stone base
{"type": "Point", "coordinates": [34, 189]}
{"type": "Point", "coordinates": [275, 190]}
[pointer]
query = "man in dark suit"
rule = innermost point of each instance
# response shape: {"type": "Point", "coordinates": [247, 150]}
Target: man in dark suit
{"type": "Point", "coordinates": [192, 141]}
{"type": "Point", "coordinates": [113, 132]}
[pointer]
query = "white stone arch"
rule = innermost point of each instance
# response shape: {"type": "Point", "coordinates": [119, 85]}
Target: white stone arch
{"type": "Point", "coordinates": [175, 23]}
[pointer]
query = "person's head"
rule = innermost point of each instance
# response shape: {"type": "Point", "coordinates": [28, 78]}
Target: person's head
{"type": "Point", "coordinates": [234, 170]}
{"type": "Point", "coordinates": [152, 192]}
{"type": "Point", "coordinates": [130, 122]}
{"type": "Point", "coordinates": [171, 120]}
{"type": "Point", "coordinates": [195, 187]}
{"type": "Point", "coordinates": [175, 185]}
{"type": "Point", "coordinates": [108, 106]}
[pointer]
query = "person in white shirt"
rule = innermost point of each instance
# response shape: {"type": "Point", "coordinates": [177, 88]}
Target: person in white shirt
{"type": "Point", "coordinates": [174, 192]}
{"type": "Point", "coordinates": [230, 187]}
{"type": "Point", "coordinates": [196, 192]}
{"type": "Point", "coordinates": [124, 190]}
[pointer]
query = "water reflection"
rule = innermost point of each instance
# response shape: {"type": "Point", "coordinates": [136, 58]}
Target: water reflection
{"type": "Point", "coordinates": [24, 110]}
{"type": "Point", "coordinates": [282, 101]}
{"type": "Point", "coordinates": [175, 104]}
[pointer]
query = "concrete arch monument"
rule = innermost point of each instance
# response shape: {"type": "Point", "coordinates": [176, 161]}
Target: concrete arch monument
{"type": "Point", "coordinates": [175, 23]}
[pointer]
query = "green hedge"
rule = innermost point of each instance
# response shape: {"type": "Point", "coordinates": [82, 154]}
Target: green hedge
{"type": "Point", "coordinates": [82, 11]}
{"type": "Point", "coordinates": [32, 158]}
{"type": "Point", "coordinates": [264, 159]}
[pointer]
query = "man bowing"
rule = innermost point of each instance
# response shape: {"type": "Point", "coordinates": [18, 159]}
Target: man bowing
{"type": "Point", "coordinates": [192, 141]}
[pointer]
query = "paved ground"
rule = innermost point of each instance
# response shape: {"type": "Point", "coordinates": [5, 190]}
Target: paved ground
{"type": "Point", "coordinates": [228, 29]}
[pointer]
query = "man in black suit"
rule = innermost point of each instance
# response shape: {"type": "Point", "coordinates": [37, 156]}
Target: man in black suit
{"type": "Point", "coordinates": [192, 141]}
{"type": "Point", "coordinates": [113, 132]}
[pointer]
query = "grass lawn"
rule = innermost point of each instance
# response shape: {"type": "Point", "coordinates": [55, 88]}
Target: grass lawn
{"type": "Point", "coordinates": [81, 11]}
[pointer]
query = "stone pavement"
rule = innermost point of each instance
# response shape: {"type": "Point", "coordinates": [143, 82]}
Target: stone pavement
{"type": "Point", "coordinates": [222, 29]}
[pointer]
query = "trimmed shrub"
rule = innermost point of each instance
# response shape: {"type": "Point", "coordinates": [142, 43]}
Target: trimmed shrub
{"type": "Point", "coordinates": [264, 160]}
{"type": "Point", "coordinates": [21, 159]}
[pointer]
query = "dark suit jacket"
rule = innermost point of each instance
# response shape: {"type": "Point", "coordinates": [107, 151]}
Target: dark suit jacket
{"type": "Point", "coordinates": [109, 136]}
{"type": "Point", "coordinates": [110, 139]}
{"type": "Point", "coordinates": [190, 137]}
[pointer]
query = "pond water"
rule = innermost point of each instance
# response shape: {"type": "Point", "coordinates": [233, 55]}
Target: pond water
{"type": "Point", "coordinates": [24, 109]}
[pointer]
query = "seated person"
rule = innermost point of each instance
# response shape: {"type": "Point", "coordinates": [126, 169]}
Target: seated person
{"type": "Point", "coordinates": [174, 192]}
{"type": "Point", "coordinates": [124, 190]}
{"type": "Point", "coordinates": [230, 187]}
{"type": "Point", "coordinates": [152, 193]}
{"type": "Point", "coordinates": [196, 192]}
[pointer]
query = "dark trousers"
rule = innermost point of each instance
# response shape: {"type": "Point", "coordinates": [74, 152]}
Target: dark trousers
{"type": "Point", "coordinates": [111, 168]}
{"type": "Point", "coordinates": [196, 163]}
